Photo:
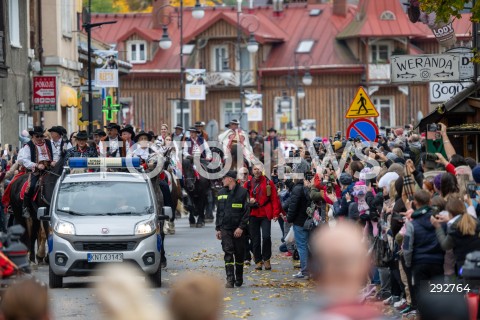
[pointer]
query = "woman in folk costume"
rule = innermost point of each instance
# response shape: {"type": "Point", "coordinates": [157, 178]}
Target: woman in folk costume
{"type": "Point", "coordinates": [128, 135]}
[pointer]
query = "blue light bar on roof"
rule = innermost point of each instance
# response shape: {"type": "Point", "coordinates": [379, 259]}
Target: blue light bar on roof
{"type": "Point", "coordinates": [76, 163]}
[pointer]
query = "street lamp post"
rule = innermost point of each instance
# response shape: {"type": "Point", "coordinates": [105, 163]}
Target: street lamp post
{"type": "Point", "coordinates": [165, 43]}
{"type": "Point", "coordinates": [88, 26]}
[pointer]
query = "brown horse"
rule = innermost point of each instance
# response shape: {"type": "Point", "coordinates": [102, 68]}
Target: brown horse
{"type": "Point", "coordinates": [45, 188]}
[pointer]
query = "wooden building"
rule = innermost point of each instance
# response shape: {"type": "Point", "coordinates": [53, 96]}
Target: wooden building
{"type": "Point", "coordinates": [341, 45]}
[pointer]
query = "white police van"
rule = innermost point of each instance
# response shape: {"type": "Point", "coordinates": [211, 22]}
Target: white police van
{"type": "Point", "coordinates": [103, 217]}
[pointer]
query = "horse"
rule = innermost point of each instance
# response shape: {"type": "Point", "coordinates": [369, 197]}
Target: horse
{"type": "Point", "coordinates": [197, 189]}
{"type": "Point", "coordinates": [44, 194]}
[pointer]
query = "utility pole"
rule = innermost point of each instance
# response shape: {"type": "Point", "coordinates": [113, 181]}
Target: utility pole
{"type": "Point", "coordinates": [88, 26]}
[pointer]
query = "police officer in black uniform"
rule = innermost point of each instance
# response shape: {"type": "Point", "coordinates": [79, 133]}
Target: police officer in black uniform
{"type": "Point", "coordinates": [232, 221]}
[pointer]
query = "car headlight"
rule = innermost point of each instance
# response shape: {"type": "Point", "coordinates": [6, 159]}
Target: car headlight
{"type": "Point", "coordinates": [145, 227]}
{"type": "Point", "coordinates": [64, 227]}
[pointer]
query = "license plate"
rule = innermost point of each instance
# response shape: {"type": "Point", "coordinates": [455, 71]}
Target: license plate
{"type": "Point", "coordinates": [105, 257]}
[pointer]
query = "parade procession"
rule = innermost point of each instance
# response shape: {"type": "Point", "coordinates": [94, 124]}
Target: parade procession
{"type": "Point", "coordinates": [230, 159]}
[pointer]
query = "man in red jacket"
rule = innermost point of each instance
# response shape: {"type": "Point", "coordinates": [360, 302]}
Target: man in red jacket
{"type": "Point", "coordinates": [264, 206]}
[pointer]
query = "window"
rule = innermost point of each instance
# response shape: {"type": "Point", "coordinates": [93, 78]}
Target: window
{"type": "Point", "coordinates": [67, 11]}
{"type": "Point", "coordinates": [137, 51]}
{"type": "Point", "coordinates": [177, 114]}
{"type": "Point", "coordinates": [220, 59]}
{"type": "Point", "coordinates": [246, 59]}
{"type": "Point", "coordinates": [305, 46]}
{"type": "Point", "coordinates": [188, 49]}
{"type": "Point", "coordinates": [231, 109]}
{"type": "Point", "coordinates": [285, 113]}
{"type": "Point", "coordinates": [386, 111]}
{"type": "Point", "coordinates": [380, 53]}
{"type": "Point", "coordinates": [387, 15]}
{"type": "Point", "coordinates": [14, 23]}
{"type": "Point", "coordinates": [2, 36]}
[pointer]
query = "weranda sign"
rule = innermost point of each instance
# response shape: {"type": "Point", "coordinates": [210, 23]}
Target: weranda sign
{"type": "Point", "coordinates": [425, 68]}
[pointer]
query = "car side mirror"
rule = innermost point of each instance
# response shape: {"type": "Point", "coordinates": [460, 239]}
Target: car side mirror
{"type": "Point", "coordinates": [167, 211]}
{"type": "Point", "coordinates": [42, 214]}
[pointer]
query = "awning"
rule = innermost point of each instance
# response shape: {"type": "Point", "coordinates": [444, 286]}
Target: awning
{"type": "Point", "coordinates": [68, 97]}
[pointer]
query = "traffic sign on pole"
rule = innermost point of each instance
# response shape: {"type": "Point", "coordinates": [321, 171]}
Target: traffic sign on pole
{"type": "Point", "coordinates": [361, 106]}
{"type": "Point", "coordinates": [364, 129]}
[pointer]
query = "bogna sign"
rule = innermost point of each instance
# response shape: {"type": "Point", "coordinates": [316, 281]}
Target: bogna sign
{"type": "Point", "coordinates": [441, 92]}
{"type": "Point", "coordinates": [425, 68]}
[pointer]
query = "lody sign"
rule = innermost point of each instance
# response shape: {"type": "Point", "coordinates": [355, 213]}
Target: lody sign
{"type": "Point", "coordinates": [441, 92]}
{"type": "Point", "coordinates": [425, 68]}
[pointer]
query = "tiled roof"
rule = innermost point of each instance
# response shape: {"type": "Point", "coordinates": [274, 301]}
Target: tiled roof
{"type": "Point", "coordinates": [368, 22]}
{"type": "Point", "coordinates": [284, 33]}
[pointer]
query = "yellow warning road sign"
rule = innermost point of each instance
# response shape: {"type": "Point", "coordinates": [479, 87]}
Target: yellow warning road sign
{"type": "Point", "coordinates": [361, 106]}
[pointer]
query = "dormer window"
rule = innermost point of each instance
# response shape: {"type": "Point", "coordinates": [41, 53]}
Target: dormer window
{"type": "Point", "coordinates": [387, 15]}
{"type": "Point", "coordinates": [137, 51]}
{"type": "Point", "coordinates": [305, 46]}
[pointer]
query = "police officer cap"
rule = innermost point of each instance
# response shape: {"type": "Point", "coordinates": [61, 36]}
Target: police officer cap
{"type": "Point", "coordinates": [232, 174]}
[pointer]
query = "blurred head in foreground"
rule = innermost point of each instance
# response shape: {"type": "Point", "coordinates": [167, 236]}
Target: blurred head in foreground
{"type": "Point", "coordinates": [25, 300]}
{"type": "Point", "coordinates": [340, 263]}
{"type": "Point", "coordinates": [125, 296]}
{"type": "Point", "coordinates": [196, 297]}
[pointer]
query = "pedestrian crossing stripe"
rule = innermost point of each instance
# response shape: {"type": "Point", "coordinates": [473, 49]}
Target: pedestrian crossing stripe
{"type": "Point", "coordinates": [361, 106]}
{"type": "Point", "coordinates": [237, 205]}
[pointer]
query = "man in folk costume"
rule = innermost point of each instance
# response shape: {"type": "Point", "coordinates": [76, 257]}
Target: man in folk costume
{"type": "Point", "coordinates": [235, 135]}
{"type": "Point", "coordinates": [112, 145]}
{"type": "Point", "coordinates": [58, 144]}
{"type": "Point", "coordinates": [97, 137]}
{"type": "Point", "coordinates": [178, 134]}
{"type": "Point", "coordinates": [272, 140]}
{"type": "Point", "coordinates": [82, 149]}
{"type": "Point", "coordinates": [200, 125]}
{"type": "Point", "coordinates": [142, 147]}
{"type": "Point", "coordinates": [196, 146]}
{"type": "Point", "coordinates": [128, 135]}
{"type": "Point", "coordinates": [35, 156]}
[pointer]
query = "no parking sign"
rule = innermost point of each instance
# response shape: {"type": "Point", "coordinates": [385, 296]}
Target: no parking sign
{"type": "Point", "coordinates": [364, 129]}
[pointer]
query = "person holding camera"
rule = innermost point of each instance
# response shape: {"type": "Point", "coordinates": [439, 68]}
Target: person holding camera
{"type": "Point", "coordinates": [264, 207]}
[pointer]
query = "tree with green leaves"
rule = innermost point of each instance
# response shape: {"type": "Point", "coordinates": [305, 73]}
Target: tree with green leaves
{"type": "Point", "coordinates": [445, 9]}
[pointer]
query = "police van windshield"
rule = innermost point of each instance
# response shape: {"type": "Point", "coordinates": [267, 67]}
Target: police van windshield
{"type": "Point", "coordinates": [104, 198]}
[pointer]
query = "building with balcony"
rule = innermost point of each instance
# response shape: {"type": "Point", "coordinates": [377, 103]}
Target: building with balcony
{"type": "Point", "coordinates": [343, 46]}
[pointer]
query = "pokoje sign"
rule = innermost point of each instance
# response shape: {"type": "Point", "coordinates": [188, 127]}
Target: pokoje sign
{"type": "Point", "coordinates": [45, 93]}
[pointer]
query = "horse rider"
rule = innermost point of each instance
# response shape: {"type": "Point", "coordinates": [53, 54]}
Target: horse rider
{"type": "Point", "coordinates": [196, 146]}
{"type": "Point", "coordinates": [178, 135]}
{"type": "Point", "coordinates": [142, 147]}
{"type": "Point", "coordinates": [231, 225]}
{"type": "Point", "coordinates": [35, 156]}
{"type": "Point", "coordinates": [113, 145]}
{"type": "Point", "coordinates": [200, 125]}
{"type": "Point", "coordinates": [235, 135]}
{"type": "Point", "coordinates": [97, 137]}
{"type": "Point", "coordinates": [82, 149]}
{"type": "Point", "coordinates": [264, 206]}
{"type": "Point", "coordinates": [128, 135]}
{"type": "Point", "coordinates": [58, 143]}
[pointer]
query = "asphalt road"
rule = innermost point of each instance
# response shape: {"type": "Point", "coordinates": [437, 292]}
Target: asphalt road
{"type": "Point", "coordinates": [264, 295]}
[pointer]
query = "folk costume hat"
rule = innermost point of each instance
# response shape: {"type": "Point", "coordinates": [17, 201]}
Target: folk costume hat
{"type": "Point", "coordinates": [199, 124]}
{"type": "Point", "coordinates": [129, 129]}
{"type": "Point", "coordinates": [37, 130]}
{"type": "Point", "coordinates": [193, 129]}
{"type": "Point", "coordinates": [234, 121]}
{"type": "Point", "coordinates": [272, 130]}
{"type": "Point", "coordinates": [178, 126]}
{"type": "Point", "coordinates": [99, 132]}
{"type": "Point", "coordinates": [56, 129]}
{"type": "Point", "coordinates": [113, 125]}
{"type": "Point", "coordinates": [82, 135]}
{"type": "Point", "coordinates": [142, 133]}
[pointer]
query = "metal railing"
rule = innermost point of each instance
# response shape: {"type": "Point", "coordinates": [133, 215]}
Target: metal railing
{"type": "Point", "coordinates": [229, 78]}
